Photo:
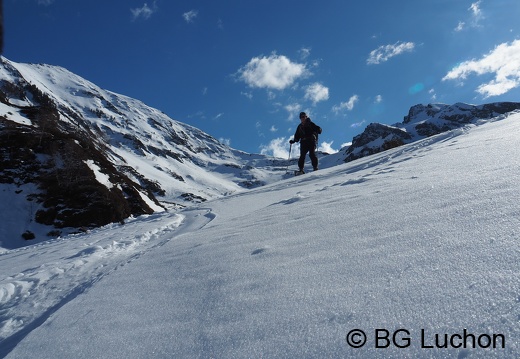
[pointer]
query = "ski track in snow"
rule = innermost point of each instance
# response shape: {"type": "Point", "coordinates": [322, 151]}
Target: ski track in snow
{"type": "Point", "coordinates": [25, 302]}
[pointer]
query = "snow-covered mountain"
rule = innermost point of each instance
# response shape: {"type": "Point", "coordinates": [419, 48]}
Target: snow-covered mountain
{"type": "Point", "coordinates": [84, 156]}
{"type": "Point", "coordinates": [74, 156]}
{"type": "Point", "coordinates": [422, 121]}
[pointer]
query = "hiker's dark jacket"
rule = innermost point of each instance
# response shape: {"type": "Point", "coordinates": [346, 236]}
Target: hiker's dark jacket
{"type": "Point", "coordinates": [307, 131]}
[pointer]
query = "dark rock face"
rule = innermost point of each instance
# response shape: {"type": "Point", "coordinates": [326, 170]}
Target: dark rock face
{"type": "Point", "coordinates": [73, 155]}
{"type": "Point", "coordinates": [63, 161]}
{"type": "Point", "coordinates": [459, 112]}
{"type": "Point", "coordinates": [422, 121]}
{"type": "Point", "coordinates": [374, 139]}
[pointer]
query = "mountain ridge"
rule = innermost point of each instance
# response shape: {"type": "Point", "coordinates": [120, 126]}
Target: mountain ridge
{"type": "Point", "coordinates": [75, 156]}
{"type": "Point", "coordinates": [421, 122]}
{"type": "Point", "coordinates": [61, 133]}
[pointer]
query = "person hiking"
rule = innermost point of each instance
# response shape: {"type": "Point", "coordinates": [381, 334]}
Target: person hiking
{"type": "Point", "coordinates": [307, 134]}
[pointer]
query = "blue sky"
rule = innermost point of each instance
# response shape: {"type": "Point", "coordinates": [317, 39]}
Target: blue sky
{"type": "Point", "coordinates": [242, 70]}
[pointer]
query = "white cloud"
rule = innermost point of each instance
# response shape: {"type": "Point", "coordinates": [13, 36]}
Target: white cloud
{"type": "Point", "coordinates": [305, 52]}
{"type": "Point", "coordinates": [433, 94]}
{"type": "Point", "coordinates": [273, 129]}
{"type": "Point", "coordinates": [475, 10]}
{"type": "Point", "coordinates": [358, 124]}
{"type": "Point", "coordinates": [460, 26]}
{"type": "Point", "coordinates": [348, 105]}
{"type": "Point", "coordinates": [145, 12]}
{"type": "Point", "coordinates": [198, 115]}
{"type": "Point", "coordinates": [327, 147]}
{"type": "Point", "coordinates": [378, 99]}
{"type": "Point", "coordinates": [476, 13]}
{"type": "Point", "coordinates": [293, 109]}
{"type": "Point", "coordinates": [249, 95]}
{"type": "Point", "coordinates": [190, 15]}
{"type": "Point", "coordinates": [503, 62]}
{"type": "Point", "coordinates": [385, 52]}
{"type": "Point", "coordinates": [316, 93]}
{"type": "Point", "coordinates": [273, 72]}
{"type": "Point", "coordinates": [276, 148]}
{"type": "Point", "coordinates": [475, 18]}
{"type": "Point", "coordinates": [225, 141]}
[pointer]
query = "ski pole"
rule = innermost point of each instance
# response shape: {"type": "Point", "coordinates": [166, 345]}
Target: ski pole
{"type": "Point", "coordinates": [288, 159]}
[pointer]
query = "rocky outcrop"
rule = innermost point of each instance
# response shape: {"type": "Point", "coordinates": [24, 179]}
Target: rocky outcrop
{"type": "Point", "coordinates": [458, 113]}
{"type": "Point", "coordinates": [64, 165]}
{"type": "Point", "coordinates": [75, 156]}
{"type": "Point", "coordinates": [376, 138]}
{"type": "Point", "coordinates": [422, 121]}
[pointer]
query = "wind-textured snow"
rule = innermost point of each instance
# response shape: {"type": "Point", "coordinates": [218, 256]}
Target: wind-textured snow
{"type": "Point", "coordinates": [421, 241]}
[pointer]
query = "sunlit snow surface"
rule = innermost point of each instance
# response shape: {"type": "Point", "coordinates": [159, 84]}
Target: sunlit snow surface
{"type": "Point", "coordinates": [423, 238]}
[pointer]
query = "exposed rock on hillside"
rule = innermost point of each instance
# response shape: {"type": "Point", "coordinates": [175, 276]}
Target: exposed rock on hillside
{"type": "Point", "coordinates": [64, 164]}
{"type": "Point", "coordinates": [73, 155]}
{"type": "Point", "coordinates": [422, 121]}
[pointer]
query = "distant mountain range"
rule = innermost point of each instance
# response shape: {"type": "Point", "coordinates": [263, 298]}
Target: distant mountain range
{"type": "Point", "coordinates": [423, 121]}
{"type": "Point", "coordinates": [75, 156]}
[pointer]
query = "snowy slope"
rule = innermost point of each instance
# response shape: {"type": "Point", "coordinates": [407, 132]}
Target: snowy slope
{"type": "Point", "coordinates": [421, 240]}
{"type": "Point", "coordinates": [144, 150]}
{"type": "Point", "coordinates": [181, 158]}
{"type": "Point", "coordinates": [119, 156]}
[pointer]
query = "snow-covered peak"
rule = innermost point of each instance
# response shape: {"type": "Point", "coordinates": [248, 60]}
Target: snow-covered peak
{"type": "Point", "coordinates": [458, 112]}
{"type": "Point", "coordinates": [65, 122]}
{"type": "Point", "coordinates": [423, 121]}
